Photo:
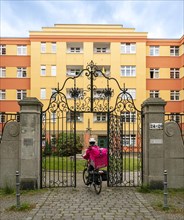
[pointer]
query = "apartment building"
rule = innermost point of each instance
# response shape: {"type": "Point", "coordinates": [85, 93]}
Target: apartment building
{"type": "Point", "coordinates": [34, 66]}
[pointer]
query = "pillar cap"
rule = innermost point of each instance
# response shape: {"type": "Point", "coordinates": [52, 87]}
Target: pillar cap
{"type": "Point", "coordinates": [154, 101]}
{"type": "Point", "coordinates": [30, 101]}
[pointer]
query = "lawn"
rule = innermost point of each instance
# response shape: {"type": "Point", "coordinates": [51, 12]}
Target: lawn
{"type": "Point", "coordinates": [67, 163]}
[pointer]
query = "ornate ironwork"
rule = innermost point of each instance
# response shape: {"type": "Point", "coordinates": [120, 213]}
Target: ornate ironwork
{"type": "Point", "coordinates": [93, 93]}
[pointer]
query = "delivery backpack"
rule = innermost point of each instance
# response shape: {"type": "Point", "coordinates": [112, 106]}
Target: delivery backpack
{"type": "Point", "coordinates": [98, 157]}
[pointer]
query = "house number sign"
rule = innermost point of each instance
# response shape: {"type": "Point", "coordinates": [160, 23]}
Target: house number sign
{"type": "Point", "coordinates": [156, 126]}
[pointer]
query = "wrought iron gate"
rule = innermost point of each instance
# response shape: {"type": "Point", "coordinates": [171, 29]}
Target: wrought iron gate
{"type": "Point", "coordinates": [97, 93]}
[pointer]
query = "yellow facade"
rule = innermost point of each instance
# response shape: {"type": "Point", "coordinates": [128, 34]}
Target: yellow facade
{"type": "Point", "coordinates": [56, 50]}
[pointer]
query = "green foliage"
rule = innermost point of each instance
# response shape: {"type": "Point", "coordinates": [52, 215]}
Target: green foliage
{"type": "Point", "coordinates": [66, 146]}
{"type": "Point", "coordinates": [144, 189]}
{"type": "Point", "coordinates": [7, 190]}
{"type": "Point", "coordinates": [63, 145]}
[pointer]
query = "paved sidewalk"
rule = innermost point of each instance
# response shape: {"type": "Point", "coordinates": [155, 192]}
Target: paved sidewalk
{"type": "Point", "coordinates": [82, 203]}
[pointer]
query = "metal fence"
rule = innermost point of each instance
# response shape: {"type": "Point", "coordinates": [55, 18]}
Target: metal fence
{"type": "Point", "coordinates": [5, 118]}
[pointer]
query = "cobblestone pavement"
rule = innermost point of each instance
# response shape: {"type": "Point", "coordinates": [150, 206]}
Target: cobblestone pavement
{"type": "Point", "coordinates": [83, 203]}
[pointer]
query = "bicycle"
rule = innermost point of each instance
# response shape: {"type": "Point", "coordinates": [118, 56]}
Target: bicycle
{"type": "Point", "coordinates": [93, 177]}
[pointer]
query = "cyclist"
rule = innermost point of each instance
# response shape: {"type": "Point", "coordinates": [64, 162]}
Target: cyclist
{"type": "Point", "coordinates": [88, 152]}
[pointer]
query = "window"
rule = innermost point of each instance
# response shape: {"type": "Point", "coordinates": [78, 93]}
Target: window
{"type": "Point", "coordinates": [105, 70]}
{"type": "Point", "coordinates": [73, 70]}
{"type": "Point", "coordinates": [128, 48]}
{"type": "Point", "coordinates": [74, 47]}
{"type": "Point", "coordinates": [174, 73]}
{"type": "Point", "coordinates": [101, 47]}
{"type": "Point", "coordinates": [53, 91]}
{"type": "Point", "coordinates": [21, 72]}
{"type": "Point", "coordinates": [128, 140]}
{"type": "Point", "coordinates": [21, 94]}
{"type": "Point", "coordinates": [100, 117]}
{"type": "Point", "coordinates": [43, 70]}
{"type": "Point", "coordinates": [174, 95]}
{"type": "Point", "coordinates": [42, 93]}
{"type": "Point", "coordinates": [21, 50]}
{"type": "Point", "coordinates": [128, 71]}
{"type": "Point", "coordinates": [43, 47]}
{"type": "Point", "coordinates": [53, 117]}
{"type": "Point", "coordinates": [2, 49]}
{"type": "Point", "coordinates": [132, 92]}
{"type": "Point", "coordinates": [154, 73]}
{"type": "Point", "coordinates": [53, 70]}
{"type": "Point", "coordinates": [128, 117]}
{"type": "Point", "coordinates": [2, 72]}
{"type": "Point", "coordinates": [175, 117]}
{"type": "Point", "coordinates": [53, 47]}
{"type": "Point", "coordinates": [2, 117]}
{"type": "Point", "coordinates": [154, 93]}
{"type": "Point", "coordinates": [154, 50]}
{"type": "Point", "coordinates": [2, 94]}
{"type": "Point", "coordinates": [174, 50]}
{"type": "Point", "coordinates": [70, 116]}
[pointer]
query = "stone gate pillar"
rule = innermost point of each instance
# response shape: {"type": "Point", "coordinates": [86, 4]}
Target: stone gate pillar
{"type": "Point", "coordinates": [153, 146]}
{"type": "Point", "coordinates": [30, 110]}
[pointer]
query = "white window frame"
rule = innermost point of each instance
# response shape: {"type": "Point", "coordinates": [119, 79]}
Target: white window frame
{"type": "Point", "coordinates": [97, 93]}
{"type": "Point", "coordinates": [21, 94]}
{"type": "Point", "coordinates": [53, 117]}
{"type": "Point", "coordinates": [73, 71]}
{"type": "Point", "coordinates": [174, 73]}
{"type": "Point", "coordinates": [74, 47]}
{"type": "Point", "coordinates": [100, 117]}
{"type": "Point", "coordinates": [154, 93]}
{"type": "Point", "coordinates": [75, 50]}
{"type": "Point", "coordinates": [128, 48]}
{"type": "Point", "coordinates": [43, 93]}
{"type": "Point", "coordinates": [43, 70]}
{"type": "Point", "coordinates": [2, 94]}
{"type": "Point", "coordinates": [174, 50]}
{"type": "Point", "coordinates": [154, 73]}
{"type": "Point", "coordinates": [101, 50]}
{"type": "Point", "coordinates": [128, 71]}
{"type": "Point", "coordinates": [132, 93]}
{"type": "Point", "coordinates": [22, 50]}
{"type": "Point", "coordinates": [53, 47]}
{"type": "Point", "coordinates": [128, 116]}
{"type": "Point", "coordinates": [174, 95]}
{"type": "Point", "coordinates": [154, 50]}
{"type": "Point", "coordinates": [128, 140]}
{"type": "Point", "coordinates": [2, 72]}
{"type": "Point", "coordinates": [43, 47]}
{"type": "Point", "coordinates": [21, 72]}
{"type": "Point", "coordinates": [53, 70]}
{"type": "Point", "coordinates": [2, 49]}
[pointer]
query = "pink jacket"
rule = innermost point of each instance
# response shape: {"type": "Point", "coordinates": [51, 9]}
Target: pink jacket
{"type": "Point", "coordinates": [89, 151]}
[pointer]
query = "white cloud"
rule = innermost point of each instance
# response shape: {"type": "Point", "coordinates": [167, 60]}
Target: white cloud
{"type": "Point", "coordinates": [158, 18]}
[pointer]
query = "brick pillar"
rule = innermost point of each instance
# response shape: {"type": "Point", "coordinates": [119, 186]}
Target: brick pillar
{"type": "Point", "coordinates": [153, 138]}
{"type": "Point", "coordinates": [30, 110]}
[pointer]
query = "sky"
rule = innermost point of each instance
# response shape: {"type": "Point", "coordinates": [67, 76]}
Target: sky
{"type": "Point", "coordinates": [160, 18]}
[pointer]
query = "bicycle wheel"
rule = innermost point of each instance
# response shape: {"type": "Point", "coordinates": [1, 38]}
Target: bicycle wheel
{"type": "Point", "coordinates": [98, 183]}
{"type": "Point", "coordinates": [85, 176]}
